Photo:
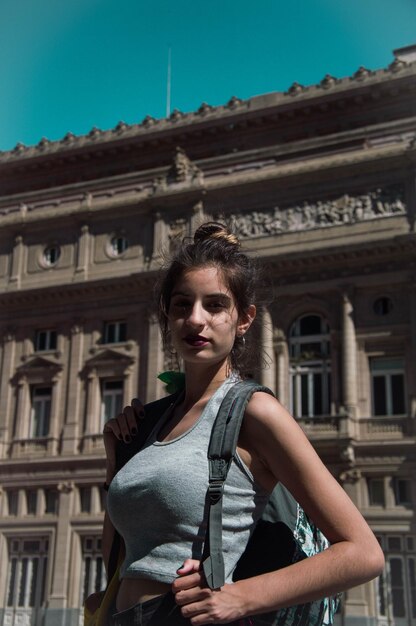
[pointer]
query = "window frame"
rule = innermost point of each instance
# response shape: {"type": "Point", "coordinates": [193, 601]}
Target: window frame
{"type": "Point", "coordinates": [116, 402]}
{"type": "Point", "coordinates": [312, 370]}
{"type": "Point", "coordinates": [51, 339]}
{"type": "Point", "coordinates": [116, 327]}
{"type": "Point", "coordinates": [386, 374]}
{"type": "Point", "coordinates": [41, 429]}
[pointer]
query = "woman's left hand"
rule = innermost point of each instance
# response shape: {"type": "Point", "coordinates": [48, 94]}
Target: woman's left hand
{"type": "Point", "coordinates": [200, 604]}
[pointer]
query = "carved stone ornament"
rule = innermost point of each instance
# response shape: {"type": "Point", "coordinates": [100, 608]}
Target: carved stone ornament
{"type": "Point", "coordinates": [295, 88]}
{"type": "Point", "coordinates": [43, 143]}
{"type": "Point", "coordinates": [351, 476]}
{"type": "Point", "coordinates": [233, 102]}
{"type": "Point", "coordinates": [121, 127]}
{"type": "Point", "coordinates": [65, 487]}
{"type": "Point", "coordinates": [181, 172]}
{"type": "Point", "coordinates": [205, 108]}
{"type": "Point", "coordinates": [397, 65]}
{"type": "Point", "coordinates": [69, 138]}
{"type": "Point", "coordinates": [148, 121]}
{"type": "Point", "coordinates": [19, 147]}
{"type": "Point", "coordinates": [361, 73]}
{"type": "Point", "coordinates": [305, 216]}
{"type": "Point", "coordinates": [94, 133]}
{"type": "Point", "coordinates": [176, 115]}
{"type": "Point", "coordinates": [328, 81]}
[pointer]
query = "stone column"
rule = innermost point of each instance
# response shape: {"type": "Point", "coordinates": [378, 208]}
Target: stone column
{"type": "Point", "coordinates": [155, 360]}
{"type": "Point", "coordinates": [91, 426]}
{"type": "Point", "coordinates": [128, 385]}
{"type": "Point", "coordinates": [7, 369]}
{"type": "Point", "coordinates": [73, 417]}
{"type": "Point", "coordinates": [349, 356]}
{"type": "Point", "coordinates": [95, 500]}
{"type": "Point", "coordinates": [61, 566]}
{"type": "Point", "coordinates": [23, 424]}
{"type": "Point", "coordinates": [159, 235]}
{"type": "Point", "coordinates": [268, 371]}
{"type": "Point", "coordinates": [282, 362]}
{"type": "Point", "coordinates": [81, 270]}
{"type": "Point", "coordinates": [412, 363]}
{"type": "Point", "coordinates": [17, 263]}
{"type": "Point", "coordinates": [56, 408]}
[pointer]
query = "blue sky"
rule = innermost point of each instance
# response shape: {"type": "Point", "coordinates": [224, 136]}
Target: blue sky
{"type": "Point", "coordinates": [69, 65]}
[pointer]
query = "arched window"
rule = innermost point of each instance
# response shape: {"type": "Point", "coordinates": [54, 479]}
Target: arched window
{"type": "Point", "coordinates": [310, 367]}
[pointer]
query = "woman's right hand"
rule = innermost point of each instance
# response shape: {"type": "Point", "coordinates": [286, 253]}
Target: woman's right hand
{"type": "Point", "coordinates": [124, 427]}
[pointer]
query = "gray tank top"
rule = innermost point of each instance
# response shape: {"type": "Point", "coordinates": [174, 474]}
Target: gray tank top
{"type": "Point", "coordinates": [157, 501]}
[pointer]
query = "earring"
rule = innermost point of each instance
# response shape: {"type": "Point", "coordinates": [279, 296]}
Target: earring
{"type": "Point", "coordinates": [243, 340]}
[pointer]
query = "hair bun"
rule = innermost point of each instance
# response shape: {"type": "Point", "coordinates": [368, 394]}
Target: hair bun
{"type": "Point", "coordinates": [215, 230]}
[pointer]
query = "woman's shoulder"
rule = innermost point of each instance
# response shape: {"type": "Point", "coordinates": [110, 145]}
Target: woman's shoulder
{"type": "Point", "coordinates": [265, 414]}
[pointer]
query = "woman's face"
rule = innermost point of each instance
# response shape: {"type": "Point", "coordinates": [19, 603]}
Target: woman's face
{"type": "Point", "coordinates": [203, 317]}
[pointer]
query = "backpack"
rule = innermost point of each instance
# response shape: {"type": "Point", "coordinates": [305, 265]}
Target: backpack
{"type": "Point", "coordinates": [282, 536]}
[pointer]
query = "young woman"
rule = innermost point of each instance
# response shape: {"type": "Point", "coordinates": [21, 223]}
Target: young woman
{"type": "Point", "coordinates": [157, 500]}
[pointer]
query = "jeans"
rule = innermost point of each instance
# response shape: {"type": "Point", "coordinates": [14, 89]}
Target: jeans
{"type": "Point", "coordinates": [159, 611]}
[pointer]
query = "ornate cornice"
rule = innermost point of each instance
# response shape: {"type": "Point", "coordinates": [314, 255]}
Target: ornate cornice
{"type": "Point", "coordinates": [91, 293]}
{"type": "Point", "coordinates": [206, 116]}
{"type": "Point", "coordinates": [190, 182]}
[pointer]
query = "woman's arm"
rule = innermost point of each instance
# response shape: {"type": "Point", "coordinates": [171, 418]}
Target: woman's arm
{"type": "Point", "coordinates": [284, 454]}
{"type": "Point", "coordinates": [124, 427]}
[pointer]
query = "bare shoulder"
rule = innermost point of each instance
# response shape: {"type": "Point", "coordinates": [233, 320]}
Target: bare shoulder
{"type": "Point", "coordinates": [264, 411]}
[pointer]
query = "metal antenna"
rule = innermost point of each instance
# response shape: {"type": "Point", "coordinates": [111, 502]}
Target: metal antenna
{"type": "Point", "coordinates": [168, 87]}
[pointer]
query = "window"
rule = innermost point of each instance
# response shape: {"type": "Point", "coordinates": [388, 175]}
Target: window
{"type": "Point", "coordinates": [13, 501]}
{"type": "Point", "coordinates": [93, 574]}
{"type": "Point", "coordinates": [376, 493]}
{"type": "Point", "coordinates": [45, 340]}
{"type": "Point", "coordinates": [115, 332]}
{"type": "Point", "coordinates": [397, 585]}
{"type": "Point", "coordinates": [388, 392]}
{"type": "Point", "coordinates": [41, 411]}
{"type": "Point", "coordinates": [31, 501]}
{"type": "Point", "coordinates": [383, 306]}
{"type": "Point", "coordinates": [85, 499]}
{"type": "Point", "coordinates": [26, 573]}
{"type": "Point", "coordinates": [402, 491]}
{"type": "Point", "coordinates": [51, 255]}
{"type": "Point", "coordinates": [118, 245]}
{"type": "Point", "coordinates": [51, 501]}
{"type": "Point", "coordinates": [310, 367]}
{"type": "Point", "coordinates": [111, 399]}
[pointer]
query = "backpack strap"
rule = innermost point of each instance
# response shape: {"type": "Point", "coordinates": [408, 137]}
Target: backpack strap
{"type": "Point", "coordinates": [221, 451]}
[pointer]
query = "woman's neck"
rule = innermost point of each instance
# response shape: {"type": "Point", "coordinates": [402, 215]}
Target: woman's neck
{"type": "Point", "coordinates": [202, 383]}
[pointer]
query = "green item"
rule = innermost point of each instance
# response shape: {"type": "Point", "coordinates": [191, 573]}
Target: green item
{"type": "Point", "coordinates": [175, 381]}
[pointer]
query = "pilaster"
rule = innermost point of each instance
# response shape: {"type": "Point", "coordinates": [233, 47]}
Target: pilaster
{"type": "Point", "coordinates": [17, 263]}
{"type": "Point", "coordinates": [59, 579]}
{"type": "Point", "coordinates": [282, 365]}
{"type": "Point", "coordinates": [412, 364]}
{"type": "Point", "coordinates": [7, 369]}
{"type": "Point", "coordinates": [349, 355]}
{"type": "Point", "coordinates": [268, 372]}
{"type": "Point", "coordinates": [81, 269]}
{"type": "Point", "coordinates": [154, 361]}
{"type": "Point", "coordinates": [71, 431]}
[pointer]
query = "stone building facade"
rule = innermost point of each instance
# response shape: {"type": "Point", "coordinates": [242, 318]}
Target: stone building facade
{"type": "Point", "coordinates": [320, 184]}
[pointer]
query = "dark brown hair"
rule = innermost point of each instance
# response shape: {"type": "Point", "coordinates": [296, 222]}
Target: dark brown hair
{"type": "Point", "coordinates": [213, 245]}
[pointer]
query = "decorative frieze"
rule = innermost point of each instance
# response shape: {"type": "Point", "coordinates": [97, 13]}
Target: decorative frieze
{"type": "Point", "coordinates": [308, 215]}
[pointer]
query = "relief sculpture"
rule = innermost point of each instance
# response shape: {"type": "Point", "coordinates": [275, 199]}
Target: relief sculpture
{"type": "Point", "coordinates": [307, 215]}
